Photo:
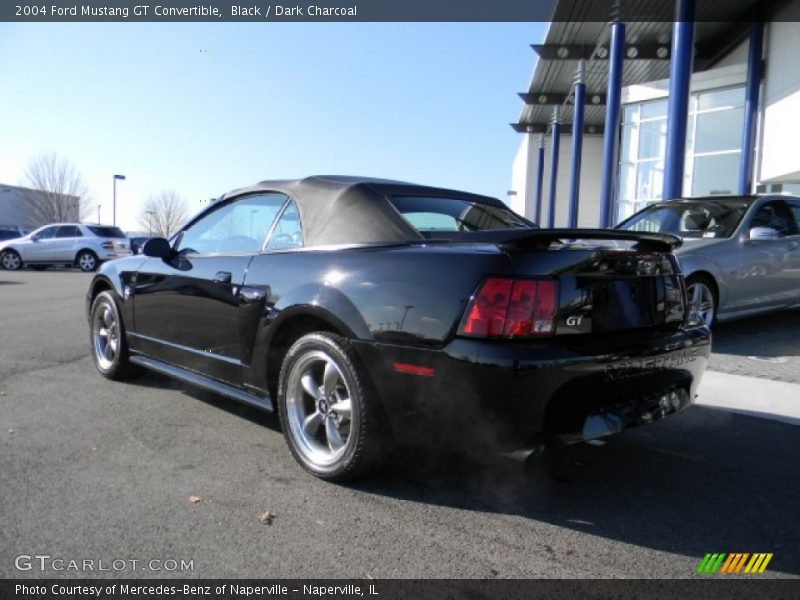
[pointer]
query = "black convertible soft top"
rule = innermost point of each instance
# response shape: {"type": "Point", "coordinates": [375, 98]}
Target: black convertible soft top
{"type": "Point", "coordinates": [336, 209]}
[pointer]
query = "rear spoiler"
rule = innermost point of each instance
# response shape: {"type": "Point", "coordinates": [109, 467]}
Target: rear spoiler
{"type": "Point", "coordinates": [541, 239]}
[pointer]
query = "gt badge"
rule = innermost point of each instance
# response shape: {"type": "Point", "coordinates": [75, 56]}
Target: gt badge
{"type": "Point", "coordinates": [574, 320]}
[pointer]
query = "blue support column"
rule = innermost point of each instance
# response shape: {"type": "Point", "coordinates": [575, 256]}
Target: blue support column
{"type": "Point", "coordinates": [577, 148]}
{"type": "Point", "coordinates": [555, 138]}
{"type": "Point", "coordinates": [680, 74]}
{"type": "Point", "coordinates": [613, 100]}
{"type": "Point", "coordinates": [751, 107]}
{"type": "Point", "coordinates": [539, 180]}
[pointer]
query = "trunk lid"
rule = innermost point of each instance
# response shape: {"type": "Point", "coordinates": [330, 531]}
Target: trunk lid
{"type": "Point", "coordinates": [607, 282]}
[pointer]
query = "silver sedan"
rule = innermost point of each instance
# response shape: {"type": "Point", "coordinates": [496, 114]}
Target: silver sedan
{"type": "Point", "coordinates": [740, 256]}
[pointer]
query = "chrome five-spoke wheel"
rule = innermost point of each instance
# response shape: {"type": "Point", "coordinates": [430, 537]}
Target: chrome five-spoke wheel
{"type": "Point", "coordinates": [107, 338]}
{"type": "Point", "coordinates": [702, 301]}
{"type": "Point", "coordinates": [328, 409]}
{"type": "Point", "coordinates": [319, 407]}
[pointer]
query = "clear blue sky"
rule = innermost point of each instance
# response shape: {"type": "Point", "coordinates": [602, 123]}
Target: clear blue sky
{"type": "Point", "coordinates": [205, 108]}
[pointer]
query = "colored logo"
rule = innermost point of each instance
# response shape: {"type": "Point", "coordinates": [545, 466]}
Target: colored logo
{"type": "Point", "coordinates": [734, 563]}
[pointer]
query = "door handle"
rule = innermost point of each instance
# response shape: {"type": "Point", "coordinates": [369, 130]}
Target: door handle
{"type": "Point", "coordinates": [222, 277]}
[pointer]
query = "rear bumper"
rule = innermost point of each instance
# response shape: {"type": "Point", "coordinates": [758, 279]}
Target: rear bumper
{"type": "Point", "coordinates": [112, 254]}
{"type": "Point", "coordinates": [510, 394]}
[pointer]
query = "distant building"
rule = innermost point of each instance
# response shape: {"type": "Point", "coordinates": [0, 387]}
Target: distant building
{"type": "Point", "coordinates": [17, 208]}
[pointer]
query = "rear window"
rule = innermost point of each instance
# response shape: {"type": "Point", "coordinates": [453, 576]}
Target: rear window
{"type": "Point", "coordinates": [435, 214]}
{"type": "Point", "coordinates": [106, 232]}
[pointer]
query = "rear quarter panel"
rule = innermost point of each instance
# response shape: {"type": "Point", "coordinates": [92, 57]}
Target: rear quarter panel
{"type": "Point", "coordinates": [412, 295]}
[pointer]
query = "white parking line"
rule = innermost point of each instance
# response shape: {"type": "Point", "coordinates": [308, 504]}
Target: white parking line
{"type": "Point", "coordinates": [777, 400]}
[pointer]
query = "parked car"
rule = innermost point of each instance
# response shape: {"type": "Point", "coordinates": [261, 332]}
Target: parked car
{"type": "Point", "coordinates": [367, 311]}
{"type": "Point", "coordinates": [84, 246]}
{"type": "Point", "coordinates": [11, 232]}
{"type": "Point", "coordinates": [136, 243]}
{"type": "Point", "coordinates": [741, 254]}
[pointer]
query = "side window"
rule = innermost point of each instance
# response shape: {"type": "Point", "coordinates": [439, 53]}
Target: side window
{"type": "Point", "coordinates": [46, 234]}
{"type": "Point", "coordinates": [775, 215]}
{"type": "Point", "coordinates": [288, 232]}
{"type": "Point", "coordinates": [68, 231]}
{"type": "Point", "coordinates": [423, 221]}
{"type": "Point", "coordinates": [794, 207]}
{"type": "Point", "coordinates": [237, 227]}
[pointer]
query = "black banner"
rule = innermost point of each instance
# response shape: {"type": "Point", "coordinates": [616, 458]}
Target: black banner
{"type": "Point", "coordinates": [371, 10]}
{"type": "Point", "coordinates": [390, 589]}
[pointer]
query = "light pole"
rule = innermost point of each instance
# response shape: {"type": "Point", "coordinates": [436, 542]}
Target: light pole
{"type": "Point", "coordinates": [98, 214]}
{"type": "Point", "coordinates": [150, 214]}
{"type": "Point", "coordinates": [115, 197]}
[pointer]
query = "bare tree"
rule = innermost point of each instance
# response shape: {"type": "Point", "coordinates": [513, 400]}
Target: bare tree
{"type": "Point", "coordinates": [163, 213]}
{"type": "Point", "coordinates": [57, 192]}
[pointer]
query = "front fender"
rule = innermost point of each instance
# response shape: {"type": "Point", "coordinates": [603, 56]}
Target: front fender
{"type": "Point", "coordinates": [114, 275]}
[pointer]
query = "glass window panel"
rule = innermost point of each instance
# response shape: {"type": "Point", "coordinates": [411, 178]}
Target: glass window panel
{"type": "Point", "coordinates": [287, 232]}
{"type": "Point", "coordinates": [791, 188]}
{"type": "Point", "coordinates": [650, 180]}
{"type": "Point", "coordinates": [652, 139]}
{"type": "Point", "coordinates": [719, 131]}
{"type": "Point", "coordinates": [46, 234]}
{"type": "Point", "coordinates": [651, 110]}
{"type": "Point", "coordinates": [795, 208]}
{"type": "Point", "coordinates": [730, 98]}
{"type": "Point", "coordinates": [690, 126]}
{"type": "Point", "coordinates": [627, 152]}
{"type": "Point", "coordinates": [624, 210]}
{"type": "Point", "coordinates": [630, 113]}
{"type": "Point", "coordinates": [627, 182]}
{"type": "Point", "coordinates": [234, 228]}
{"type": "Point", "coordinates": [715, 174]}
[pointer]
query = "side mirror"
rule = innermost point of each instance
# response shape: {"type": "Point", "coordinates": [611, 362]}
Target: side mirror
{"type": "Point", "coordinates": [764, 233]}
{"type": "Point", "coordinates": [157, 248]}
{"type": "Point", "coordinates": [35, 238]}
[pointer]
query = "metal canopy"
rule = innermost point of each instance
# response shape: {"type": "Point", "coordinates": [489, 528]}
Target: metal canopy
{"type": "Point", "coordinates": [579, 30]}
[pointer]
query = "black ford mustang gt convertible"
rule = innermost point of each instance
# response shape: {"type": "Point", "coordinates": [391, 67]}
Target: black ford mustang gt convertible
{"type": "Point", "coordinates": [368, 311]}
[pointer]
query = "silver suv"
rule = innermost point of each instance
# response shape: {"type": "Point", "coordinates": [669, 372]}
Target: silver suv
{"type": "Point", "coordinates": [85, 246]}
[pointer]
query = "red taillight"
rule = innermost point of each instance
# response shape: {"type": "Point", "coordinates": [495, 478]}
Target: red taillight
{"type": "Point", "coordinates": [108, 245]}
{"type": "Point", "coordinates": [512, 308]}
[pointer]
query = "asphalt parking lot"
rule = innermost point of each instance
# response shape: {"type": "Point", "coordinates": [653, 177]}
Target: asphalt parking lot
{"type": "Point", "coordinates": [92, 469]}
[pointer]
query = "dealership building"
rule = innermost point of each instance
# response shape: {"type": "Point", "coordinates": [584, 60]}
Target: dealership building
{"type": "Point", "coordinates": [21, 207]}
{"type": "Point", "coordinates": [622, 112]}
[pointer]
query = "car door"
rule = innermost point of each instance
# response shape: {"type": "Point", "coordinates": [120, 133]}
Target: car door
{"type": "Point", "coordinates": [63, 246]}
{"type": "Point", "coordinates": [764, 277]}
{"type": "Point", "coordinates": [40, 248]}
{"type": "Point", "coordinates": [187, 308]}
{"type": "Point", "coordinates": [793, 249]}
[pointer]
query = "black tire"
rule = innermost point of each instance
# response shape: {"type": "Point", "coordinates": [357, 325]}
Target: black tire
{"type": "Point", "coordinates": [314, 441]}
{"type": "Point", "coordinates": [87, 261]}
{"type": "Point", "coordinates": [703, 287]}
{"type": "Point", "coordinates": [11, 260]}
{"type": "Point", "coordinates": [112, 363]}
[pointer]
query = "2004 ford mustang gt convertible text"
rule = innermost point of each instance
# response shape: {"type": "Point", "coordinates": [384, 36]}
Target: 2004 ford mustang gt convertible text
{"type": "Point", "coordinates": [369, 311]}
